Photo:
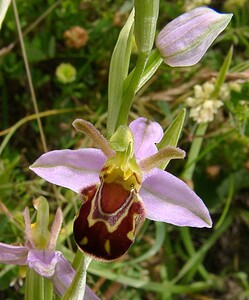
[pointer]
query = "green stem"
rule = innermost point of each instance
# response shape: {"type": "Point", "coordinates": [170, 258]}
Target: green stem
{"type": "Point", "coordinates": [186, 238]}
{"type": "Point", "coordinates": [77, 288]}
{"type": "Point", "coordinates": [38, 287]}
{"type": "Point", "coordinates": [152, 65]}
{"type": "Point", "coordinates": [169, 254]}
{"type": "Point", "coordinates": [11, 131]}
{"type": "Point", "coordinates": [228, 202]}
{"type": "Point", "coordinates": [194, 152]}
{"type": "Point", "coordinates": [131, 89]}
{"type": "Point", "coordinates": [77, 260]}
{"type": "Point", "coordinates": [146, 15]}
{"type": "Point", "coordinates": [29, 77]}
{"type": "Point", "coordinates": [199, 255]}
{"type": "Point", "coordinates": [187, 176]}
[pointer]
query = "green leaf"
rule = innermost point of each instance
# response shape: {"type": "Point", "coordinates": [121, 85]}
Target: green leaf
{"type": "Point", "coordinates": [118, 72]}
{"type": "Point", "coordinates": [198, 256]}
{"type": "Point", "coordinates": [223, 73]}
{"type": "Point", "coordinates": [194, 152]}
{"type": "Point", "coordinates": [172, 134]}
{"type": "Point", "coordinates": [157, 245]}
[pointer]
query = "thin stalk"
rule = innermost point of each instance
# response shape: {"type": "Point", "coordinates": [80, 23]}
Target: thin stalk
{"type": "Point", "coordinates": [199, 255]}
{"type": "Point", "coordinates": [131, 89]}
{"type": "Point", "coordinates": [76, 289]}
{"type": "Point", "coordinates": [5, 50]}
{"type": "Point", "coordinates": [29, 77]}
{"type": "Point", "coordinates": [77, 259]}
{"type": "Point", "coordinates": [186, 238]}
{"type": "Point", "coordinates": [194, 152]}
{"type": "Point", "coordinates": [41, 17]}
{"type": "Point", "coordinates": [38, 287]}
{"type": "Point", "coordinates": [228, 203]}
{"type": "Point", "coordinates": [187, 176]}
{"type": "Point", "coordinates": [169, 254]}
{"type": "Point", "coordinates": [10, 131]}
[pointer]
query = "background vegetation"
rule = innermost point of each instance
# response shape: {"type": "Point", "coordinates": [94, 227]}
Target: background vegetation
{"type": "Point", "coordinates": [165, 262]}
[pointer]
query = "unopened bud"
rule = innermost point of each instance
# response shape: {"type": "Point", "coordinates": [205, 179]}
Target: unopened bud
{"type": "Point", "coordinates": [185, 40]}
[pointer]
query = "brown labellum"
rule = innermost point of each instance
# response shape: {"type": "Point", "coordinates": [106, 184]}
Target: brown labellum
{"type": "Point", "coordinates": [105, 226]}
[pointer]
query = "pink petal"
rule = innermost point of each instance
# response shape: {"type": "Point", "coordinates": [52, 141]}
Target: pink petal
{"type": "Point", "coordinates": [63, 276]}
{"type": "Point", "coordinates": [55, 229]}
{"type": "Point", "coordinates": [43, 261]}
{"type": "Point", "coordinates": [146, 133]}
{"type": "Point", "coordinates": [73, 169]}
{"type": "Point", "coordinates": [15, 255]}
{"type": "Point", "coordinates": [89, 294]}
{"type": "Point", "coordinates": [168, 199]}
{"type": "Point", "coordinates": [28, 231]}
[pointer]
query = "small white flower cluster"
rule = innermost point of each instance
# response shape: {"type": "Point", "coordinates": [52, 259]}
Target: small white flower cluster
{"type": "Point", "coordinates": [202, 107]}
{"type": "Point", "coordinates": [190, 4]}
{"type": "Point", "coordinates": [226, 88]}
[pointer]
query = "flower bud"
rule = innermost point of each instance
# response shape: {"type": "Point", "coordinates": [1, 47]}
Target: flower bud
{"type": "Point", "coordinates": [185, 40]}
{"type": "Point", "coordinates": [146, 14]}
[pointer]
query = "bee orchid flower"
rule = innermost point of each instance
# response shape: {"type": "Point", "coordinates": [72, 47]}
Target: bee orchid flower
{"type": "Point", "coordinates": [38, 252]}
{"type": "Point", "coordinates": [120, 185]}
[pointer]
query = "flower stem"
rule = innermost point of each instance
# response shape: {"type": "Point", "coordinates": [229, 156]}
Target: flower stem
{"type": "Point", "coordinates": [187, 176]}
{"type": "Point", "coordinates": [77, 288]}
{"type": "Point", "coordinates": [38, 287]}
{"type": "Point", "coordinates": [77, 260]}
{"type": "Point", "coordinates": [194, 152]}
{"type": "Point", "coordinates": [129, 93]}
{"type": "Point", "coordinates": [187, 241]}
{"type": "Point", "coordinates": [198, 256]}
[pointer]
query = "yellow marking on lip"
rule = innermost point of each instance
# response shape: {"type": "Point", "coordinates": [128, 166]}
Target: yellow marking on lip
{"type": "Point", "coordinates": [96, 201]}
{"type": "Point", "coordinates": [130, 235]}
{"type": "Point", "coordinates": [108, 247]}
{"type": "Point", "coordinates": [84, 241]}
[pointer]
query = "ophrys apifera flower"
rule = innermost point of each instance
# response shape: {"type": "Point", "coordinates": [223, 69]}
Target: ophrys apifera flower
{"type": "Point", "coordinates": [120, 185]}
